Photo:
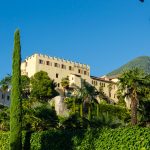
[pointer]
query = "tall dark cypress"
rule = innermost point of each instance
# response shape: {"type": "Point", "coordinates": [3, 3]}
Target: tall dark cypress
{"type": "Point", "coordinates": [16, 104]}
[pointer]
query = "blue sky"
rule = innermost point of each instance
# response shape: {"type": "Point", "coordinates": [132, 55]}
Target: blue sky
{"type": "Point", "coordinates": [102, 33]}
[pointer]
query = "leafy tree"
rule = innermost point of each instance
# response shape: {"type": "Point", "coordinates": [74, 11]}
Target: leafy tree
{"type": "Point", "coordinates": [38, 117]}
{"type": "Point", "coordinates": [65, 84]}
{"type": "Point", "coordinates": [132, 83]}
{"type": "Point", "coordinates": [6, 80]}
{"type": "Point", "coordinates": [42, 87]}
{"type": "Point", "coordinates": [5, 83]}
{"type": "Point", "coordinates": [25, 86]}
{"type": "Point", "coordinates": [16, 103]}
{"type": "Point", "coordinates": [72, 122]}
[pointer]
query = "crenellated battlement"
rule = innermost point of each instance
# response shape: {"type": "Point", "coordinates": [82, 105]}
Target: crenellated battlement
{"type": "Point", "coordinates": [61, 60]}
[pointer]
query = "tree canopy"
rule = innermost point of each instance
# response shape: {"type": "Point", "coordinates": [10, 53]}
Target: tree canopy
{"type": "Point", "coordinates": [42, 87]}
{"type": "Point", "coordinates": [134, 83]}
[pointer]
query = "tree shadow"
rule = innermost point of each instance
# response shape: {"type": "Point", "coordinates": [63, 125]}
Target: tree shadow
{"type": "Point", "coordinates": [27, 144]}
{"type": "Point", "coordinates": [61, 139]}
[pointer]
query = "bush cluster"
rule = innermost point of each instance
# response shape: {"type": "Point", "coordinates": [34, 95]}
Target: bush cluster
{"type": "Point", "coordinates": [136, 138]}
{"type": "Point", "coordinates": [121, 112]}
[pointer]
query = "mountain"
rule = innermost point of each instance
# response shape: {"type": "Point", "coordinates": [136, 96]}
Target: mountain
{"type": "Point", "coordinates": [142, 62]}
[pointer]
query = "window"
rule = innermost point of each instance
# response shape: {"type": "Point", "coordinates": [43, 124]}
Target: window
{"type": "Point", "coordinates": [79, 71]}
{"type": "Point", "coordinates": [47, 63]}
{"type": "Point", "coordinates": [26, 64]}
{"type": "Point", "coordinates": [63, 66]}
{"type": "Point", "coordinates": [2, 96]}
{"type": "Point", "coordinates": [56, 65]}
{"type": "Point", "coordinates": [8, 97]}
{"type": "Point", "coordinates": [70, 68]}
{"type": "Point", "coordinates": [95, 82]}
{"type": "Point", "coordinates": [58, 84]}
{"type": "Point", "coordinates": [41, 61]}
{"type": "Point", "coordinates": [104, 84]}
{"type": "Point", "coordinates": [85, 72]}
{"type": "Point", "coordinates": [56, 75]}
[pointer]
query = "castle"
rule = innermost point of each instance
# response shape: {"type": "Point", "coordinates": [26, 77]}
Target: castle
{"type": "Point", "coordinates": [59, 68]}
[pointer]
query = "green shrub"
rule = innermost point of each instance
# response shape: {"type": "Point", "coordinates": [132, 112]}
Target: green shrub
{"type": "Point", "coordinates": [118, 111]}
{"type": "Point", "coordinates": [133, 138]}
{"type": "Point", "coordinates": [4, 119]}
{"type": "Point", "coordinates": [41, 117]}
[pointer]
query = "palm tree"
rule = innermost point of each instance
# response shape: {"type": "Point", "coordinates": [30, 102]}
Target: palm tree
{"type": "Point", "coordinates": [91, 94]}
{"type": "Point", "coordinates": [65, 84]}
{"type": "Point", "coordinates": [86, 95]}
{"type": "Point", "coordinates": [132, 83]}
{"type": "Point", "coordinates": [79, 95]}
{"type": "Point", "coordinates": [5, 84]}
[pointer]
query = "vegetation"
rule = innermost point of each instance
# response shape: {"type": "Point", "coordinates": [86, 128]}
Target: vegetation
{"type": "Point", "coordinates": [42, 87]}
{"type": "Point", "coordinates": [16, 104]}
{"type": "Point", "coordinates": [25, 86]}
{"type": "Point", "coordinates": [85, 97]}
{"type": "Point", "coordinates": [5, 84]}
{"type": "Point", "coordinates": [90, 124]}
{"type": "Point", "coordinates": [134, 83]}
{"type": "Point", "coordinates": [38, 117]}
{"type": "Point", "coordinates": [65, 84]}
{"type": "Point", "coordinates": [135, 138]}
{"type": "Point", "coordinates": [142, 62]}
{"type": "Point", "coordinates": [4, 119]}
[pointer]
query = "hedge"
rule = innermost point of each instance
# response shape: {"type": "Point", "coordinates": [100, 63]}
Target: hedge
{"type": "Point", "coordinates": [132, 138]}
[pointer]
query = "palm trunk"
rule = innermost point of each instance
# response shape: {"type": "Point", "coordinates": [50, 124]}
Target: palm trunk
{"type": "Point", "coordinates": [134, 108]}
{"type": "Point", "coordinates": [74, 106]}
{"type": "Point", "coordinates": [97, 110]}
{"type": "Point", "coordinates": [81, 110]}
{"type": "Point", "coordinates": [89, 112]}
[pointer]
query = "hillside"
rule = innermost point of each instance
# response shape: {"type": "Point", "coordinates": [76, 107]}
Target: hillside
{"type": "Point", "coordinates": [142, 62]}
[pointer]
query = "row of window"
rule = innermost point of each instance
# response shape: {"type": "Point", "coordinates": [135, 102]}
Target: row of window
{"type": "Point", "coordinates": [110, 95]}
{"type": "Point", "coordinates": [62, 66]}
{"type": "Point", "coordinates": [96, 83]}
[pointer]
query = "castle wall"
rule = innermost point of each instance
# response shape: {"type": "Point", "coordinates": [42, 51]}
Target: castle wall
{"type": "Point", "coordinates": [55, 67]}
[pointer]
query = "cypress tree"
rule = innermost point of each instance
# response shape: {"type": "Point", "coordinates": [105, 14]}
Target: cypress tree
{"type": "Point", "coordinates": [16, 104]}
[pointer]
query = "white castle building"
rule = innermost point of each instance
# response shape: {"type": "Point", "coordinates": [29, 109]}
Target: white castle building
{"type": "Point", "coordinates": [59, 68]}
